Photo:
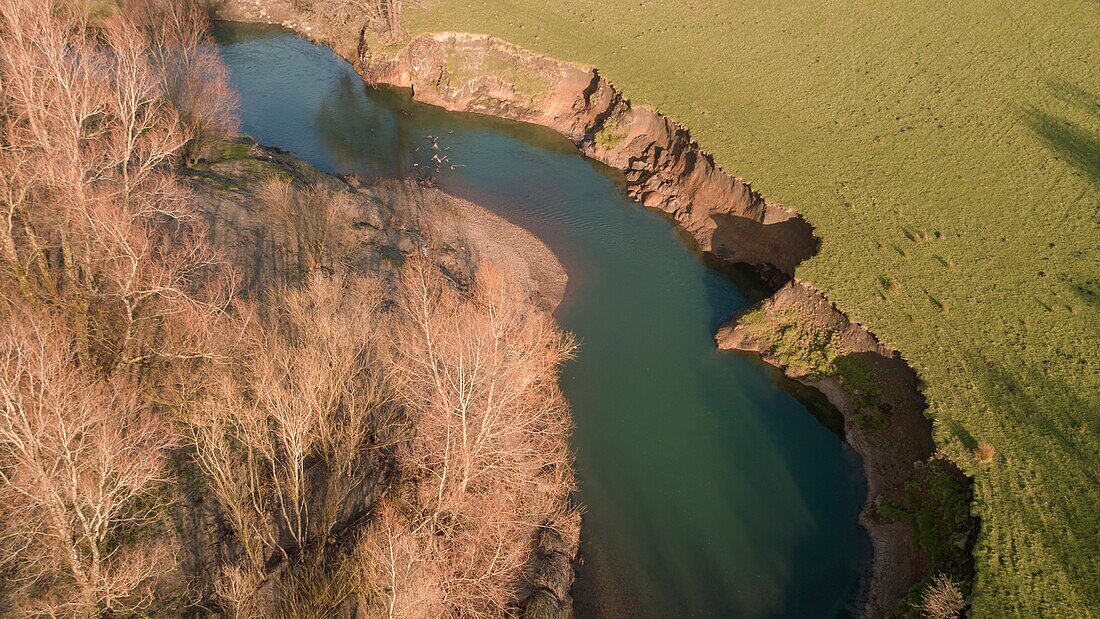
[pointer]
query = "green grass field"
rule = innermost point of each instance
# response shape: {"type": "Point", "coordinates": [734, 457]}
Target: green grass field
{"type": "Point", "coordinates": [948, 155]}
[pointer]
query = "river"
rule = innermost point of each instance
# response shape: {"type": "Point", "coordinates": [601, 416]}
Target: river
{"type": "Point", "coordinates": [709, 490]}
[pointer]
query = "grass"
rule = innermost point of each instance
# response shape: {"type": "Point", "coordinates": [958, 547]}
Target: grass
{"type": "Point", "coordinates": [948, 155]}
{"type": "Point", "coordinates": [496, 63]}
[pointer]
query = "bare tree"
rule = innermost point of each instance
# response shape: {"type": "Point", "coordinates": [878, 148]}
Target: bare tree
{"type": "Point", "coordinates": [942, 599]}
{"type": "Point", "coordinates": [310, 226]}
{"type": "Point", "coordinates": [82, 476]}
{"type": "Point", "coordinates": [388, 13]}
{"type": "Point", "coordinates": [100, 246]}
{"type": "Point", "coordinates": [286, 439]}
{"type": "Point", "coordinates": [192, 73]}
{"type": "Point", "coordinates": [286, 410]}
{"type": "Point", "coordinates": [398, 570]}
{"type": "Point", "coordinates": [94, 222]}
{"type": "Point", "coordinates": [477, 374]}
{"type": "Point", "coordinates": [383, 16]}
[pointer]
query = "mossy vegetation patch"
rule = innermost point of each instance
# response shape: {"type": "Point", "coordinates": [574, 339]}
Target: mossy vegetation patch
{"type": "Point", "coordinates": [806, 348]}
{"type": "Point", "coordinates": [610, 136]}
{"type": "Point", "coordinates": [936, 505]}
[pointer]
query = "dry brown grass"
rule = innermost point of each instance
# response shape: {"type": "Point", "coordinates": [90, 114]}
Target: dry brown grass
{"type": "Point", "coordinates": [985, 453]}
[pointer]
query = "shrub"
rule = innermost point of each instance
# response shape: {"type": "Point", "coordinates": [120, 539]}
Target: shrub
{"type": "Point", "coordinates": [985, 453]}
{"type": "Point", "coordinates": [942, 599]}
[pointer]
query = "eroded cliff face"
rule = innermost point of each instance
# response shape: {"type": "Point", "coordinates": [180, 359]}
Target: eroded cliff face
{"type": "Point", "coordinates": [664, 167]}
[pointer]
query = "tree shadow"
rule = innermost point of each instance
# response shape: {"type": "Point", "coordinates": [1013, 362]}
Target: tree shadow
{"type": "Point", "coordinates": [965, 437]}
{"type": "Point", "coordinates": [1065, 466]}
{"type": "Point", "coordinates": [1088, 292]}
{"type": "Point", "coordinates": [1076, 144]}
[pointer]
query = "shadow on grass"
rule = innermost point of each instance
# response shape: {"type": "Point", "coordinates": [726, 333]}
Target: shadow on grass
{"type": "Point", "coordinates": [1077, 145]}
{"type": "Point", "coordinates": [1050, 411]}
{"type": "Point", "coordinates": [965, 437]}
{"type": "Point", "coordinates": [1088, 292]}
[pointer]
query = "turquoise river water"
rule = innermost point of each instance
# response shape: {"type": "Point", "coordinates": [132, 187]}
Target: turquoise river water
{"type": "Point", "coordinates": [709, 491]}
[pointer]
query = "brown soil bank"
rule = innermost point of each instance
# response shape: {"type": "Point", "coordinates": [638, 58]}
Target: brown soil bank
{"type": "Point", "coordinates": [797, 329]}
{"type": "Point", "coordinates": [664, 168]}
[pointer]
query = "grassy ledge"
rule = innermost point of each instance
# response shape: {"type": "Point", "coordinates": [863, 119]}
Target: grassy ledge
{"type": "Point", "coordinates": [949, 157]}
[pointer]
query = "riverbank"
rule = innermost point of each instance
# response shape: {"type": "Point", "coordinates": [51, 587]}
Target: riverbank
{"type": "Point", "coordinates": [729, 221]}
{"type": "Point", "coordinates": [942, 155]}
{"type": "Point", "coordinates": [666, 170]}
{"type": "Point", "coordinates": [392, 220]}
